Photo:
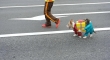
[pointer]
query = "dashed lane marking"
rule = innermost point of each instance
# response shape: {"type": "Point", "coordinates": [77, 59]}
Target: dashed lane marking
{"type": "Point", "coordinates": [55, 5]}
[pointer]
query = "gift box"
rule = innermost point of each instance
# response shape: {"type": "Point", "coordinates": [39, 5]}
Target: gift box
{"type": "Point", "coordinates": [80, 24]}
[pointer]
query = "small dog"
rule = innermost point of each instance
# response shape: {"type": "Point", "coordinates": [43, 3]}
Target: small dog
{"type": "Point", "coordinates": [72, 24]}
{"type": "Point", "coordinates": [89, 28]}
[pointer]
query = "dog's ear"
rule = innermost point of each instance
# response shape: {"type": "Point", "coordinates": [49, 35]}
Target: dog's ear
{"type": "Point", "coordinates": [71, 21]}
{"type": "Point", "coordinates": [68, 24]}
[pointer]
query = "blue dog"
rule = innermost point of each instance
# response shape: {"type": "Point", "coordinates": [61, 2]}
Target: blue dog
{"type": "Point", "coordinates": [89, 28]}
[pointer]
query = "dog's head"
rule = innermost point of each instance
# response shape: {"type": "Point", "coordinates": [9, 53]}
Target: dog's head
{"type": "Point", "coordinates": [70, 24]}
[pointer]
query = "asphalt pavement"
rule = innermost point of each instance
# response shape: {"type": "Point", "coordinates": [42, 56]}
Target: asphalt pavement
{"type": "Point", "coordinates": [53, 46]}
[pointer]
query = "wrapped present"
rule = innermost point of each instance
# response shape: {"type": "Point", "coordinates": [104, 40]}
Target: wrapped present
{"type": "Point", "coordinates": [80, 24]}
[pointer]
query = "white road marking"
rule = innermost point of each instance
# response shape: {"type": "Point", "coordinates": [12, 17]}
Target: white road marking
{"type": "Point", "coordinates": [48, 32]}
{"type": "Point", "coordinates": [42, 17]}
{"type": "Point", "coordinates": [56, 5]}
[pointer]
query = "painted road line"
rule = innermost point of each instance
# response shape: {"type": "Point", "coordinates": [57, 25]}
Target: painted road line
{"type": "Point", "coordinates": [48, 32]}
{"type": "Point", "coordinates": [56, 5]}
{"type": "Point", "coordinates": [42, 17]}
